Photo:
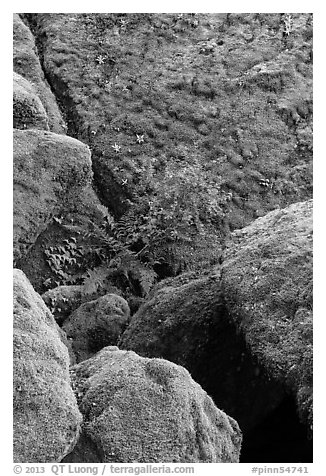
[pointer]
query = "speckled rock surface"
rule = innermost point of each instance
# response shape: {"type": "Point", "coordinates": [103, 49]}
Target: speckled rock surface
{"type": "Point", "coordinates": [29, 112]}
{"type": "Point", "coordinates": [46, 416]}
{"type": "Point", "coordinates": [27, 64]}
{"type": "Point", "coordinates": [48, 169]}
{"type": "Point", "coordinates": [267, 283]}
{"type": "Point", "coordinates": [148, 410]}
{"type": "Point", "coordinates": [63, 300]}
{"type": "Point", "coordinates": [96, 324]}
{"type": "Point", "coordinates": [185, 321]}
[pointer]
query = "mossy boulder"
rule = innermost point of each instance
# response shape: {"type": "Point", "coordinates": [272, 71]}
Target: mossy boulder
{"type": "Point", "coordinates": [148, 411]}
{"type": "Point", "coordinates": [28, 109]}
{"type": "Point", "coordinates": [27, 64]}
{"type": "Point", "coordinates": [267, 283]}
{"type": "Point", "coordinates": [185, 321]}
{"type": "Point", "coordinates": [46, 416]}
{"type": "Point", "coordinates": [73, 226]}
{"type": "Point", "coordinates": [96, 324]}
{"type": "Point", "coordinates": [49, 169]}
{"type": "Point", "coordinates": [165, 98]}
{"type": "Point", "coordinates": [63, 300]}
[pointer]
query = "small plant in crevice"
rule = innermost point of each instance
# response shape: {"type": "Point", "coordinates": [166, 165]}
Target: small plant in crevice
{"type": "Point", "coordinates": [287, 24]}
{"type": "Point", "coordinates": [62, 258]}
{"type": "Point", "coordinates": [103, 254]}
{"type": "Point", "coordinates": [173, 220]}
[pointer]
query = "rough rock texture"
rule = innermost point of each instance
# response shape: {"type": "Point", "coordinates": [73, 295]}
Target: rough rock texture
{"type": "Point", "coordinates": [46, 416]}
{"type": "Point", "coordinates": [67, 342]}
{"type": "Point", "coordinates": [27, 64]}
{"type": "Point", "coordinates": [63, 237]}
{"type": "Point", "coordinates": [267, 282]}
{"type": "Point", "coordinates": [96, 324]}
{"type": "Point", "coordinates": [63, 300]}
{"type": "Point", "coordinates": [29, 112]}
{"type": "Point", "coordinates": [186, 322]}
{"type": "Point", "coordinates": [197, 122]}
{"type": "Point", "coordinates": [49, 169]}
{"type": "Point", "coordinates": [148, 410]}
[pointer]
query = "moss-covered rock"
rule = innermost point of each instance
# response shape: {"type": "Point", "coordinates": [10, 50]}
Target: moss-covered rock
{"type": "Point", "coordinates": [46, 416]}
{"type": "Point", "coordinates": [29, 112]}
{"type": "Point", "coordinates": [27, 64]}
{"type": "Point", "coordinates": [197, 123]}
{"type": "Point", "coordinates": [185, 321]}
{"type": "Point", "coordinates": [63, 300]}
{"type": "Point", "coordinates": [49, 169]}
{"type": "Point", "coordinates": [148, 411]}
{"type": "Point", "coordinates": [96, 324]}
{"type": "Point", "coordinates": [70, 234]}
{"type": "Point", "coordinates": [267, 284]}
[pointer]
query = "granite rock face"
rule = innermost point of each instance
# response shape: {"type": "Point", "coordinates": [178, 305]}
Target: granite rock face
{"type": "Point", "coordinates": [148, 410]}
{"type": "Point", "coordinates": [46, 417]}
{"type": "Point", "coordinates": [267, 283]}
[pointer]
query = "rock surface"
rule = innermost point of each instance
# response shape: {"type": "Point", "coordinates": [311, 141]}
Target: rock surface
{"type": "Point", "coordinates": [148, 410]}
{"type": "Point", "coordinates": [186, 322]}
{"type": "Point", "coordinates": [69, 235]}
{"type": "Point", "coordinates": [63, 300]}
{"type": "Point", "coordinates": [28, 109]}
{"type": "Point", "coordinates": [197, 122]}
{"type": "Point", "coordinates": [48, 169]}
{"type": "Point", "coordinates": [197, 125]}
{"type": "Point", "coordinates": [27, 64]}
{"type": "Point", "coordinates": [267, 283]}
{"type": "Point", "coordinates": [96, 324]}
{"type": "Point", "coordinates": [46, 416]}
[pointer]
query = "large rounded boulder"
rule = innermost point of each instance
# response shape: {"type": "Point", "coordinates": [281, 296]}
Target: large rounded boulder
{"type": "Point", "coordinates": [46, 416]}
{"type": "Point", "coordinates": [148, 410]}
{"type": "Point", "coordinates": [267, 283]}
{"type": "Point", "coordinates": [63, 300]}
{"type": "Point", "coordinates": [96, 324]}
{"type": "Point", "coordinates": [185, 321]}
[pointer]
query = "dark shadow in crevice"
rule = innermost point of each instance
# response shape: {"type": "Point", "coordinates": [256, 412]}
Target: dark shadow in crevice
{"type": "Point", "coordinates": [85, 451]}
{"type": "Point", "coordinates": [279, 438]}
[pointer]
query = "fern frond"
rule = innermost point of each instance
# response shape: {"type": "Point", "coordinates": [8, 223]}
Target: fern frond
{"type": "Point", "coordinates": [147, 280]}
{"type": "Point", "coordinates": [106, 215]}
{"type": "Point", "coordinates": [94, 279]}
{"type": "Point", "coordinates": [146, 277]}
